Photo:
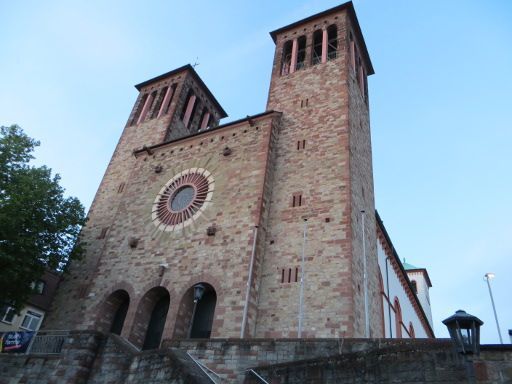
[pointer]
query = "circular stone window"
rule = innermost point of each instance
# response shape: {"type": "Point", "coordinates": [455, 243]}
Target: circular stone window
{"type": "Point", "coordinates": [183, 199]}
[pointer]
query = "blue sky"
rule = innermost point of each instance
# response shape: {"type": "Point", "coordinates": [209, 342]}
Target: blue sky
{"type": "Point", "coordinates": [440, 110]}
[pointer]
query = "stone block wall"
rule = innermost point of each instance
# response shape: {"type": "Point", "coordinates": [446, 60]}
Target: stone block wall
{"type": "Point", "coordinates": [93, 358]}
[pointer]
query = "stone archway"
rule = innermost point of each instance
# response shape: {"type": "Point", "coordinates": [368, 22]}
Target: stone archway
{"type": "Point", "coordinates": [195, 318]}
{"type": "Point", "coordinates": [112, 312]}
{"type": "Point", "coordinates": [150, 318]}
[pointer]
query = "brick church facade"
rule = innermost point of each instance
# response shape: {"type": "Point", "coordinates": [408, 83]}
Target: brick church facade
{"type": "Point", "coordinates": [264, 227]}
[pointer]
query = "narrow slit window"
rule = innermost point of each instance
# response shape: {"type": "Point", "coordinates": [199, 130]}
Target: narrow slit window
{"type": "Point", "coordinates": [167, 103]}
{"type": "Point", "coordinates": [193, 114]}
{"type": "Point", "coordinates": [147, 107]}
{"type": "Point", "coordinates": [287, 58]}
{"type": "Point", "coordinates": [289, 275]}
{"type": "Point", "coordinates": [103, 233]}
{"type": "Point", "coordinates": [352, 52]}
{"type": "Point", "coordinates": [282, 275]}
{"type": "Point", "coordinates": [297, 200]}
{"type": "Point", "coordinates": [139, 109]}
{"type": "Point", "coordinates": [301, 53]}
{"type": "Point", "coordinates": [203, 114]}
{"type": "Point", "coordinates": [332, 42]}
{"type": "Point", "coordinates": [159, 101]}
{"type": "Point", "coordinates": [120, 189]}
{"type": "Point", "coordinates": [414, 286]}
{"type": "Point", "coordinates": [188, 107]}
{"type": "Point", "coordinates": [296, 274]}
{"type": "Point", "coordinates": [316, 57]}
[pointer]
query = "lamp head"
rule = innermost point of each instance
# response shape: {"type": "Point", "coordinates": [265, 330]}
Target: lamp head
{"type": "Point", "coordinates": [489, 275]}
{"type": "Point", "coordinates": [198, 292]}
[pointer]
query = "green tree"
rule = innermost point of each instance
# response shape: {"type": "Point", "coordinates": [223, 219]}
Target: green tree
{"type": "Point", "coordinates": [38, 225]}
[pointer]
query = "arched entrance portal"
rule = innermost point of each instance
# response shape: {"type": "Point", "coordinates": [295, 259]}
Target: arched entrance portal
{"type": "Point", "coordinates": [156, 323]}
{"type": "Point", "coordinates": [149, 320]}
{"type": "Point", "coordinates": [112, 312]}
{"type": "Point", "coordinates": [196, 313]}
{"type": "Point", "coordinates": [120, 315]}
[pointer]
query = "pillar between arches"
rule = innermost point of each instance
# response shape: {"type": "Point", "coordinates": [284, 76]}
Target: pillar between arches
{"type": "Point", "coordinates": [324, 45]}
{"type": "Point", "coordinates": [293, 63]}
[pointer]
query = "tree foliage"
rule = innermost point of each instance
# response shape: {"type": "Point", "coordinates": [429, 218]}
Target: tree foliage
{"type": "Point", "coordinates": [38, 225]}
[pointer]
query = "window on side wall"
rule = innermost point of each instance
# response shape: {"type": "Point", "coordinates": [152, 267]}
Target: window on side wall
{"type": "Point", "coordinates": [414, 286]}
{"type": "Point", "coordinates": [7, 314]}
{"type": "Point", "coordinates": [31, 321]}
{"type": "Point", "coordinates": [38, 287]}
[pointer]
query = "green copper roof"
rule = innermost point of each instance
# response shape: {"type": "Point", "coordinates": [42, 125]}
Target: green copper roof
{"type": "Point", "coordinates": [408, 266]}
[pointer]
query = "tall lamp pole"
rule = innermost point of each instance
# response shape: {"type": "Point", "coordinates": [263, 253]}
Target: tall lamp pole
{"type": "Point", "coordinates": [488, 276]}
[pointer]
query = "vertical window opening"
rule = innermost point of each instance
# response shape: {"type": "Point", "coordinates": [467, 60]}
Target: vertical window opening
{"type": "Point", "coordinates": [103, 233]}
{"type": "Point", "coordinates": [159, 101]}
{"type": "Point", "coordinates": [412, 334]}
{"type": "Point", "coordinates": [121, 188]}
{"type": "Point", "coordinates": [360, 75]}
{"type": "Point", "coordinates": [332, 42]}
{"type": "Point", "coordinates": [316, 57]}
{"type": "Point", "coordinates": [296, 274]}
{"type": "Point", "coordinates": [167, 103]}
{"type": "Point", "coordinates": [147, 106]}
{"type": "Point", "coordinates": [184, 109]}
{"type": "Point", "coordinates": [352, 52]}
{"type": "Point", "coordinates": [398, 319]}
{"type": "Point", "coordinates": [188, 108]}
{"type": "Point", "coordinates": [289, 275]}
{"type": "Point", "coordinates": [297, 200]}
{"type": "Point", "coordinates": [210, 121]}
{"type": "Point", "coordinates": [414, 287]}
{"type": "Point", "coordinates": [203, 114]}
{"type": "Point", "coordinates": [139, 109]}
{"type": "Point", "coordinates": [301, 53]}
{"type": "Point", "coordinates": [193, 114]}
{"type": "Point", "coordinates": [287, 58]}
{"type": "Point", "coordinates": [282, 275]}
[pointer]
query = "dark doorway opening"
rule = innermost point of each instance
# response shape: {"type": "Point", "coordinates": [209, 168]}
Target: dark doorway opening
{"type": "Point", "coordinates": [156, 323]}
{"type": "Point", "coordinates": [201, 326]}
{"type": "Point", "coordinates": [112, 312]}
{"type": "Point", "coordinates": [120, 315]}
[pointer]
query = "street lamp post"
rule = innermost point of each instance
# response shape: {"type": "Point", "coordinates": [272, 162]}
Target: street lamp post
{"type": "Point", "coordinates": [488, 276]}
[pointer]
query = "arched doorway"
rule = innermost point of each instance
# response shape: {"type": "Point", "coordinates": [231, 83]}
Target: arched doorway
{"type": "Point", "coordinates": [156, 323]}
{"type": "Point", "coordinates": [150, 318]}
{"type": "Point", "coordinates": [112, 312]}
{"type": "Point", "coordinates": [120, 314]}
{"type": "Point", "coordinates": [197, 310]}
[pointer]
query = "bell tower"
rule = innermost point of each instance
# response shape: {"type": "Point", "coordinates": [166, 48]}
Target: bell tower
{"type": "Point", "coordinates": [323, 201]}
{"type": "Point", "coordinates": [169, 107]}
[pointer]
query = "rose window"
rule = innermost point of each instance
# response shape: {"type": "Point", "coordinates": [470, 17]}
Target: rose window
{"type": "Point", "coordinates": [182, 199]}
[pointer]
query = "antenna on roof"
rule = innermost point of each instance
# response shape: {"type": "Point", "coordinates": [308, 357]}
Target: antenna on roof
{"type": "Point", "coordinates": [196, 63]}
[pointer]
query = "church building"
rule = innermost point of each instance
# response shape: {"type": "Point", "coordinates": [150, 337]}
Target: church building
{"type": "Point", "coordinates": [262, 227]}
